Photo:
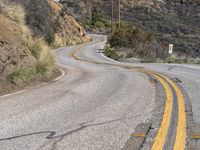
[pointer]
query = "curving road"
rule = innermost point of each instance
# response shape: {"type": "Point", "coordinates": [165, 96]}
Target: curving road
{"type": "Point", "coordinates": [94, 106]}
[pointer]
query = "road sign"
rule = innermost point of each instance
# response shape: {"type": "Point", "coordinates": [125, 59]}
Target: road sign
{"type": "Point", "coordinates": [171, 48]}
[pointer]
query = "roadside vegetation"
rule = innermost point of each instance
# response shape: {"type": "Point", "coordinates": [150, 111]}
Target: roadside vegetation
{"type": "Point", "coordinates": [132, 41]}
{"type": "Point", "coordinates": [168, 21]}
{"type": "Point", "coordinates": [97, 22]}
{"type": "Point", "coordinates": [43, 61]}
{"type": "Point", "coordinates": [111, 52]}
{"type": "Point", "coordinates": [183, 60]}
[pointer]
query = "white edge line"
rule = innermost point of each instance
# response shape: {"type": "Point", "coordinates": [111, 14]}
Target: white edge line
{"type": "Point", "coordinates": [11, 94]}
{"type": "Point", "coordinates": [61, 76]}
{"type": "Point", "coordinates": [22, 91]}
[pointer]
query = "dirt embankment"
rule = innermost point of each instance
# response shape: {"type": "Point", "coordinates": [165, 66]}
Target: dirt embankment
{"type": "Point", "coordinates": [13, 49]}
{"type": "Point", "coordinates": [28, 30]}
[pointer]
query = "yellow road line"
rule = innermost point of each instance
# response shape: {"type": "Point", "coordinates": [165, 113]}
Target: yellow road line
{"type": "Point", "coordinates": [180, 140]}
{"type": "Point", "coordinates": [163, 130]}
{"type": "Point", "coordinates": [195, 136]}
{"type": "Point", "coordinates": [138, 135]}
{"type": "Point", "coordinates": [73, 53]}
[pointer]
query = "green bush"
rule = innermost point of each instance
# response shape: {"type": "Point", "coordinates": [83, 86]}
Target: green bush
{"type": "Point", "coordinates": [111, 53]}
{"type": "Point", "coordinates": [129, 36]}
{"type": "Point", "coordinates": [106, 23]}
{"type": "Point", "coordinates": [96, 17]}
{"type": "Point", "coordinates": [98, 20]}
{"type": "Point", "coordinates": [99, 24]}
{"type": "Point", "coordinates": [175, 59]}
{"type": "Point", "coordinates": [137, 42]}
{"type": "Point", "coordinates": [49, 35]}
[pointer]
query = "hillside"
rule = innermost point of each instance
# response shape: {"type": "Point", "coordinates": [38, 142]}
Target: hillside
{"type": "Point", "coordinates": [13, 51]}
{"type": "Point", "coordinates": [47, 18]}
{"type": "Point", "coordinates": [26, 38]}
{"type": "Point", "coordinates": [171, 21]}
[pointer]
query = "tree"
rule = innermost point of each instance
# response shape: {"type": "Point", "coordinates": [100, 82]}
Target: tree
{"type": "Point", "coordinates": [96, 17]}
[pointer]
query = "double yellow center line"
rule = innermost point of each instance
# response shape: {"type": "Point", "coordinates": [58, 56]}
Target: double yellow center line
{"type": "Point", "coordinates": [161, 138]}
{"type": "Point", "coordinates": [163, 131]}
{"type": "Point", "coordinates": [180, 139]}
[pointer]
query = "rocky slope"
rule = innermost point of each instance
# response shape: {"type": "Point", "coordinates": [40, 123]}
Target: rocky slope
{"type": "Point", "coordinates": [24, 25]}
{"type": "Point", "coordinates": [13, 51]}
{"type": "Point", "coordinates": [171, 21]}
{"type": "Point", "coordinates": [14, 38]}
{"type": "Point", "coordinates": [47, 18]}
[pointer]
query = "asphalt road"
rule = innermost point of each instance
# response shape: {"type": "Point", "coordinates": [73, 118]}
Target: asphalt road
{"type": "Point", "coordinates": [189, 76]}
{"type": "Point", "coordinates": [94, 106]}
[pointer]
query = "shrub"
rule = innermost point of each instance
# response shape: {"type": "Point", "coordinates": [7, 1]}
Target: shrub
{"type": "Point", "coordinates": [49, 35]}
{"type": "Point", "coordinates": [45, 62]}
{"type": "Point", "coordinates": [44, 65]}
{"type": "Point", "coordinates": [96, 17]}
{"type": "Point", "coordinates": [179, 60]}
{"type": "Point", "coordinates": [106, 23]}
{"type": "Point", "coordinates": [99, 24]}
{"type": "Point", "coordinates": [43, 54]}
{"type": "Point", "coordinates": [98, 20]}
{"type": "Point", "coordinates": [21, 75]}
{"type": "Point", "coordinates": [111, 53]}
{"type": "Point", "coordinates": [142, 44]}
{"type": "Point", "coordinates": [129, 36]}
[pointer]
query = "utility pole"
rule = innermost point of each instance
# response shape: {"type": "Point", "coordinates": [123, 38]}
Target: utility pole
{"type": "Point", "coordinates": [119, 15]}
{"type": "Point", "coordinates": [112, 18]}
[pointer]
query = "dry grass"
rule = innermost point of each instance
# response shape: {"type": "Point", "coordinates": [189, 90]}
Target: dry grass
{"type": "Point", "coordinates": [43, 54]}
{"type": "Point", "coordinates": [45, 60]}
{"type": "Point", "coordinates": [45, 63]}
{"type": "Point", "coordinates": [16, 13]}
{"type": "Point", "coordinates": [40, 50]}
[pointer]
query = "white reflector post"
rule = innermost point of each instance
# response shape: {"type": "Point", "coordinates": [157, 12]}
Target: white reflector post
{"type": "Point", "coordinates": [171, 48]}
